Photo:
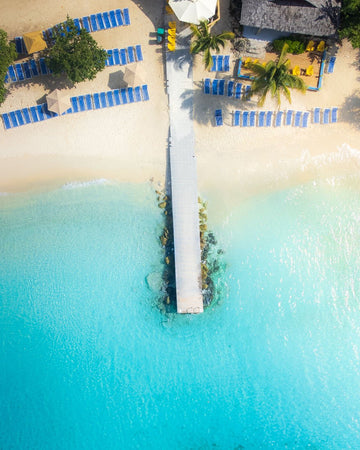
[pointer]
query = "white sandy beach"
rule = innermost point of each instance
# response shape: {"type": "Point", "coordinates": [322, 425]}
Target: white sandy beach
{"type": "Point", "coordinates": [129, 143]}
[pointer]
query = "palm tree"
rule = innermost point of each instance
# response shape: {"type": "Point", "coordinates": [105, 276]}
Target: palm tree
{"type": "Point", "coordinates": [274, 77]}
{"type": "Point", "coordinates": [205, 41]}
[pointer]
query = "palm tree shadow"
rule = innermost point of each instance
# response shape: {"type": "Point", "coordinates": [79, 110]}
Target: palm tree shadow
{"type": "Point", "coordinates": [350, 111]}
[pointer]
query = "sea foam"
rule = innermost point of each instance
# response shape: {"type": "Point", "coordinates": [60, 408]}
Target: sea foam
{"type": "Point", "coordinates": [84, 184]}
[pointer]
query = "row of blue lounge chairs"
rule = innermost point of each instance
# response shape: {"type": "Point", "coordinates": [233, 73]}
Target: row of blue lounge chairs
{"type": "Point", "coordinates": [94, 22]}
{"type": "Point", "coordinates": [33, 68]}
{"type": "Point", "coordinates": [221, 63]}
{"type": "Point", "coordinates": [231, 89]}
{"type": "Point", "coordinates": [79, 103]}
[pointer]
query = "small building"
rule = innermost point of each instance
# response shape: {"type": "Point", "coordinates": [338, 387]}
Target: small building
{"type": "Point", "coordinates": [309, 17]}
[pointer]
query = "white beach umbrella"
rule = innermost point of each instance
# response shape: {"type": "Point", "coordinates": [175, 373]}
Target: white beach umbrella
{"type": "Point", "coordinates": [58, 101]}
{"type": "Point", "coordinates": [135, 75]}
{"type": "Point", "coordinates": [192, 11]}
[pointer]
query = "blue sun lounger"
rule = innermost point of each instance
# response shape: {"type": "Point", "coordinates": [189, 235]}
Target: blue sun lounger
{"type": "Point", "coordinates": [334, 113]}
{"type": "Point", "coordinates": [106, 19]}
{"type": "Point", "coordinates": [34, 114]}
{"type": "Point", "coordinates": [77, 24]}
{"type": "Point", "coordinates": [246, 92]}
{"type": "Point", "coordinates": [124, 98]}
{"type": "Point", "coordinates": [19, 117]}
{"type": "Point", "coordinates": [227, 63]}
{"type": "Point", "coordinates": [269, 115]}
{"type": "Point", "coordinates": [7, 78]}
{"type": "Point", "coordinates": [326, 116]}
{"type": "Point", "coordinates": [215, 85]}
{"type": "Point", "coordinates": [236, 118]}
{"type": "Point", "coordinates": [74, 104]}
{"type": "Point", "coordinates": [218, 117]}
{"type": "Point", "coordinates": [119, 17]}
{"type": "Point", "coordinates": [207, 86]}
{"type": "Point", "coordinates": [34, 68]}
{"type": "Point", "coordinates": [81, 102]}
{"type": "Point", "coordinates": [18, 44]}
{"type": "Point", "coordinates": [245, 119]}
{"type": "Point", "coordinates": [116, 56]}
{"type": "Point", "coordinates": [289, 116]}
{"type": "Point", "coordinates": [100, 21]}
{"type": "Point", "coordinates": [13, 119]}
{"type": "Point", "coordinates": [137, 94]}
{"type": "Point", "coordinates": [6, 121]}
{"type": "Point", "coordinates": [261, 121]}
{"type": "Point", "coordinates": [110, 98]}
{"type": "Point", "coordinates": [103, 100]}
{"type": "Point", "coordinates": [27, 71]}
{"type": "Point", "coordinates": [278, 118]}
{"type": "Point", "coordinates": [331, 65]}
{"type": "Point", "coordinates": [213, 67]}
{"type": "Point", "coordinates": [12, 73]}
{"type": "Point", "coordinates": [131, 94]}
{"type": "Point", "coordinates": [123, 58]}
{"type": "Point", "coordinates": [238, 90]}
{"type": "Point", "coordinates": [145, 93]}
{"type": "Point", "coordinates": [116, 95]}
{"type": "Point", "coordinates": [230, 88]}
{"type": "Point", "coordinates": [19, 72]}
{"type": "Point", "coordinates": [86, 24]}
{"type": "Point", "coordinates": [110, 60]}
{"type": "Point", "coordinates": [113, 19]}
{"type": "Point", "coordinates": [139, 55]}
{"type": "Point", "coordinates": [252, 118]}
{"type": "Point", "coordinates": [88, 102]}
{"type": "Point", "coordinates": [221, 87]}
{"type": "Point", "coordinates": [40, 112]}
{"type": "Point", "coordinates": [126, 16]}
{"type": "Point", "coordinates": [316, 116]}
{"type": "Point", "coordinates": [219, 63]}
{"type": "Point", "coordinates": [96, 101]}
{"type": "Point", "coordinates": [297, 118]}
{"type": "Point", "coordinates": [43, 68]}
{"type": "Point", "coordinates": [131, 54]}
{"type": "Point", "coordinates": [94, 25]}
{"type": "Point", "coordinates": [26, 115]}
{"type": "Point", "coordinates": [305, 119]}
{"type": "Point", "coordinates": [48, 114]}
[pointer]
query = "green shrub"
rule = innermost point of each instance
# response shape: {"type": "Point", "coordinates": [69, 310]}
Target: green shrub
{"type": "Point", "coordinates": [295, 46]}
{"type": "Point", "coordinates": [7, 56]}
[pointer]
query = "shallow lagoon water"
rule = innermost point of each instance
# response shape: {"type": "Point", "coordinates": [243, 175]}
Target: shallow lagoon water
{"type": "Point", "coordinates": [89, 361]}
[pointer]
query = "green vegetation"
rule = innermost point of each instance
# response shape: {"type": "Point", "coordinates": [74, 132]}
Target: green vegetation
{"type": "Point", "coordinates": [75, 52]}
{"type": "Point", "coordinates": [350, 21]}
{"type": "Point", "coordinates": [295, 46]}
{"type": "Point", "coordinates": [7, 56]}
{"type": "Point", "coordinates": [205, 42]}
{"type": "Point", "coordinates": [275, 78]}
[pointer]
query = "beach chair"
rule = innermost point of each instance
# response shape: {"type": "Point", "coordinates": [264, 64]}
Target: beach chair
{"type": "Point", "coordinates": [334, 114]}
{"type": "Point", "coordinates": [207, 86]}
{"type": "Point", "coordinates": [316, 115]}
{"type": "Point", "coordinates": [245, 119]}
{"type": "Point", "coordinates": [48, 114]}
{"type": "Point", "coordinates": [252, 116]}
{"type": "Point", "coordinates": [145, 93]}
{"type": "Point", "coordinates": [34, 114]}
{"type": "Point", "coordinates": [331, 65]}
{"type": "Point", "coordinates": [103, 102]}
{"type": "Point", "coordinates": [124, 99]}
{"type": "Point", "coordinates": [238, 89]}
{"type": "Point", "coordinates": [297, 118]}
{"type": "Point", "coordinates": [171, 47]}
{"type": "Point", "coordinates": [310, 47]}
{"type": "Point", "coordinates": [34, 68]}
{"type": "Point", "coordinates": [100, 21]}
{"type": "Point", "coordinates": [40, 113]}
{"type": "Point", "coordinates": [215, 86]}
{"type": "Point", "coordinates": [137, 92]}
{"type": "Point", "coordinates": [296, 70]}
{"type": "Point", "coordinates": [19, 117]}
{"type": "Point", "coordinates": [88, 102]}
{"type": "Point", "coordinates": [74, 104]}
{"type": "Point", "coordinates": [213, 67]}
{"type": "Point", "coordinates": [123, 58]}
{"type": "Point", "coordinates": [278, 118]}
{"type": "Point", "coordinates": [268, 121]}
{"type": "Point", "coordinates": [230, 88]}
{"type": "Point", "coordinates": [247, 61]}
{"type": "Point", "coordinates": [81, 102]}
{"type": "Point", "coordinates": [94, 25]}
{"type": "Point", "coordinates": [43, 68]}
{"type": "Point", "coordinates": [96, 99]}
{"type": "Point", "coordinates": [221, 87]}
{"type": "Point", "coordinates": [106, 20]}
{"type": "Point", "coordinates": [131, 54]}
{"type": "Point", "coordinates": [261, 118]}
{"type": "Point", "coordinates": [110, 60]}
{"type": "Point", "coordinates": [12, 73]}
{"type": "Point", "coordinates": [26, 115]}
{"type": "Point", "coordinates": [6, 120]}
{"type": "Point", "coordinates": [27, 71]}
{"type": "Point", "coordinates": [110, 98]}
{"type": "Point", "coordinates": [247, 92]}
{"type": "Point", "coordinates": [86, 24]}
{"type": "Point", "coordinates": [131, 95]}
{"type": "Point", "coordinates": [289, 117]}
{"type": "Point", "coordinates": [305, 119]}
{"type": "Point", "coordinates": [227, 63]}
{"type": "Point", "coordinates": [18, 44]}
{"type": "Point", "coordinates": [236, 118]}
{"type": "Point", "coordinates": [13, 119]}
{"type": "Point", "coordinates": [116, 95]}
{"type": "Point", "coordinates": [218, 117]}
{"type": "Point", "coordinates": [116, 56]}
{"type": "Point", "coordinates": [321, 46]}
{"type": "Point", "coordinates": [219, 63]}
{"type": "Point", "coordinates": [7, 77]}
{"type": "Point", "coordinates": [326, 116]}
{"type": "Point", "coordinates": [309, 71]}
{"type": "Point", "coordinates": [139, 55]}
{"type": "Point", "coordinates": [77, 24]}
{"type": "Point", "coordinates": [119, 17]}
{"type": "Point", "coordinates": [19, 72]}
{"type": "Point", "coordinates": [113, 20]}
{"type": "Point", "coordinates": [126, 16]}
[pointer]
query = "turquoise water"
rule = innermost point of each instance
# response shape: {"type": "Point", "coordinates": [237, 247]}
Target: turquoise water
{"type": "Point", "coordinates": [88, 361]}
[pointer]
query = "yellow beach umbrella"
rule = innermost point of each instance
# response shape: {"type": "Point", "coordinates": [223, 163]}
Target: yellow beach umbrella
{"type": "Point", "coordinates": [34, 41]}
{"type": "Point", "coordinates": [58, 101]}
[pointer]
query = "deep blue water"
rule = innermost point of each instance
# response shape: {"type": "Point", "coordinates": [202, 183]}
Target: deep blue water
{"type": "Point", "coordinates": [88, 361]}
